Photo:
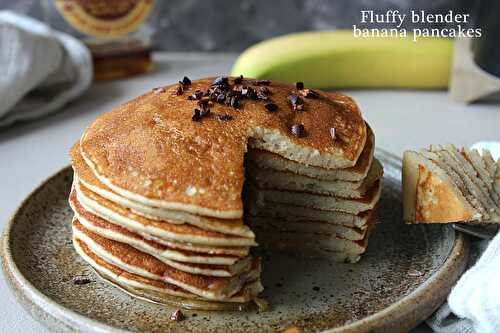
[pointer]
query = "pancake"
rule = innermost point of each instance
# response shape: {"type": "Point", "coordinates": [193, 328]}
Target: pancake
{"type": "Point", "coordinates": [93, 204]}
{"type": "Point", "coordinates": [150, 150]}
{"type": "Point", "coordinates": [326, 242]}
{"type": "Point", "coordinates": [297, 214]}
{"type": "Point", "coordinates": [163, 252]}
{"type": "Point", "coordinates": [187, 261]}
{"type": "Point", "coordinates": [267, 160]}
{"type": "Point", "coordinates": [136, 262]}
{"type": "Point", "coordinates": [87, 178]}
{"type": "Point", "coordinates": [266, 197]}
{"type": "Point", "coordinates": [446, 185]}
{"type": "Point", "coordinates": [311, 227]}
{"type": "Point", "coordinates": [161, 292]}
{"type": "Point", "coordinates": [237, 268]}
{"type": "Point", "coordinates": [236, 251]}
{"type": "Point", "coordinates": [466, 171]}
{"type": "Point", "coordinates": [300, 214]}
{"type": "Point", "coordinates": [285, 180]}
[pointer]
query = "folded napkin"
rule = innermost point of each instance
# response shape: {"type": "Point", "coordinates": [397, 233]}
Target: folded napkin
{"type": "Point", "coordinates": [42, 69]}
{"type": "Point", "coordinates": [474, 302]}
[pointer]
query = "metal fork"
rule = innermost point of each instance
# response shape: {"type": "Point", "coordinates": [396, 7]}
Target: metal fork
{"type": "Point", "coordinates": [483, 232]}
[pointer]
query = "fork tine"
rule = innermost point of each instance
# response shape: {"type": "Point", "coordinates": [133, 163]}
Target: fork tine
{"type": "Point", "coordinates": [476, 231]}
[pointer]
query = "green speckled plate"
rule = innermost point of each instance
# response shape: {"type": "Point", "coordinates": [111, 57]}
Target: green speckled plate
{"type": "Point", "coordinates": [404, 276]}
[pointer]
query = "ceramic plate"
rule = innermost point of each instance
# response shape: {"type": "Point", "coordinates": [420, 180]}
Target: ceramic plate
{"type": "Point", "coordinates": [404, 276]}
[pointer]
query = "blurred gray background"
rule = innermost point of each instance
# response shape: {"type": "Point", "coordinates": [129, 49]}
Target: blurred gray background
{"type": "Point", "coordinates": [233, 25]}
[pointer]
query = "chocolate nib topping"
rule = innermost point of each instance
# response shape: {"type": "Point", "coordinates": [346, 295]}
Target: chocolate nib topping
{"type": "Point", "coordinates": [294, 99]}
{"type": "Point", "coordinates": [238, 80]}
{"type": "Point", "coordinates": [250, 93]}
{"type": "Point", "coordinates": [308, 93]}
{"type": "Point", "coordinates": [177, 315]}
{"type": "Point", "coordinates": [204, 105]}
{"type": "Point", "coordinates": [179, 90]}
{"type": "Point", "coordinates": [81, 280]}
{"type": "Point", "coordinates": [296, 102]}
{"type": "Point", "coordinates": [185, 81]}
{"type": "Point", "coordinates": [235, 102]}
{"type": "Point", "coordinates": [196, 115]}
{"type": "Point", "coordinates": [263, 93]}
{"type": "Point", "coordinates": [222, 92]}
{"type": "Point", "coordinates": [197, 94]}
{"type": "Point", "coordinates": [221, 98]}
{"type": "Point", "coordinates": [271, 107]}
{"type": "Point", "coordinates": [298, 130]}
{"type": "Point", "coordinates": [220, 81]}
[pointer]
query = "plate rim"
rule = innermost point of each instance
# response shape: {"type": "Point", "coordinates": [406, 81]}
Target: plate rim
{"type": "Point", "coordinates": [39, 305]}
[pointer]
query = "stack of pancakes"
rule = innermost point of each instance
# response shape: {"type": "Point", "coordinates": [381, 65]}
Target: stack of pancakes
{"type": "Point", "coordinates": [158, 187]}
{"type": "Point", "coordinates": [316, 211]}
{"type": "Point", "coordinates": [162, 255]}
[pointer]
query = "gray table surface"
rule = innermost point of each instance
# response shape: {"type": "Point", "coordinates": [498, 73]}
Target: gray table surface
{"type": "Point", "coordinates": [30, 152]}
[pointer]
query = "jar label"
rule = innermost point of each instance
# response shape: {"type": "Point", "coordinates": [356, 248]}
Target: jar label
{"type": "Point", "coordinates": [105, 18]}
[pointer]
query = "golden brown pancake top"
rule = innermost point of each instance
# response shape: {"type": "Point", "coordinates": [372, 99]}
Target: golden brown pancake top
{"type": "Point", "coordinates": [86, 175]}
{"type": "Point", "coordinates": [150, 146]}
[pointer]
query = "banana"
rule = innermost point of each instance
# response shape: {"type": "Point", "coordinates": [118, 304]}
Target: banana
{"type": "Point", "coordinates": [337, 59]}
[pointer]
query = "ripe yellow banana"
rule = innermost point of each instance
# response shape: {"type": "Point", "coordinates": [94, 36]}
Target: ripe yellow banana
{"type": "Point", "coordinates": [337, 59]}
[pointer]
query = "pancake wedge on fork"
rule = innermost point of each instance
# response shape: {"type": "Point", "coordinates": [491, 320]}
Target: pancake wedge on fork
{"type": "Point", "coordinates": [444, 184]}
{"type": "Point", "coordinates": [174, 188]}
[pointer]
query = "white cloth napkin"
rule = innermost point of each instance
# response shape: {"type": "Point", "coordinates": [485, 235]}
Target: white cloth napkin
{"type": "Point", "coordinates": [474, 302]}
{"type": "Point", "coordinates": [41, 69]}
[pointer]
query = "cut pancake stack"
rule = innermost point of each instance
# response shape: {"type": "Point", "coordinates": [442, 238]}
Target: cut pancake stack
{"type": "Point", "coordinates": [312, 210]}
{"type": "Point", "coordinates": [444, 184]}
{"type": "Point", "coordinates": [161, 255]}
{"type": "Point", "coordinates": [159, 181]}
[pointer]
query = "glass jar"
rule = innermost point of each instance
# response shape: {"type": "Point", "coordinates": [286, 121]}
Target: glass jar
{"type": "Point", "coordinates": [117, 32]}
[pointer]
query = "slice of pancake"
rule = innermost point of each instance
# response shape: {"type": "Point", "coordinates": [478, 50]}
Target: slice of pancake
{"type": "Point", "coordinates": [151, 151]}
{"type": "Point", "coordinates": [86, 177]}
{"type": "Point", "coordinates": [94, 204]}
{"type": "Point", "coordinates": [431, 194]}
{"type": "Point", "coordinates": [162, 292]}
{"type": "Point", "coordinates": [319, 228]}
{"type": "Point", "coordinates": [294, 213]}
{"type": "Point", "coordinates": [186, 261]}
{"type": "Point", "coordinates": [318, 201]}
{"type": "Point", "coordinates": [300, 214]}
{"type": "Point", "coordinates": [298, 249]}
{"type": "Point", "coordinates": [326, 242]}
{"type": "Point", "coordinates": [136, 262]}
{"type": "Point", "coordinates": [285, 180]}
{"type": "Point", "coordinates": [307, 227]}
{"type": "Point", "coordinates": [294, 245]}
{"type": "Point", "coordinates": [469, 176]}
{"type": "Point", "coordinates": [267, 160]}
